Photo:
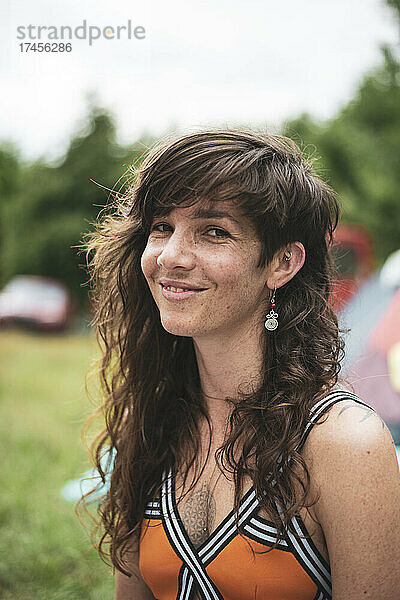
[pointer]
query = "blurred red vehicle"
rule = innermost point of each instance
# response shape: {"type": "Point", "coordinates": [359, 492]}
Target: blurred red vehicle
{"type": "Point", "coordinates": [354, 257]}
{"type": "Point", "coordinates": [36, 302]}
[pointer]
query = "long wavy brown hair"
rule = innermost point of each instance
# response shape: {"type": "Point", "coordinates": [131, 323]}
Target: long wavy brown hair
{"type": "Point", "coordinates": [151, 393]}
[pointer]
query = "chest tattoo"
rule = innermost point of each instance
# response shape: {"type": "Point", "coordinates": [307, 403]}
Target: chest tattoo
{"type": "Point", "coordinates": [198, 515]}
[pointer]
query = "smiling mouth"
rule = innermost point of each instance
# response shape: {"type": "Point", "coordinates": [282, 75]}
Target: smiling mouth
{"type": "Point", "coordinates": [179, 290]}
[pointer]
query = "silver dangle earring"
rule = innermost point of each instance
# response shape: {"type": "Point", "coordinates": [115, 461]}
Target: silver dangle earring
{"type": "Point", "coordinates": [271, 319]}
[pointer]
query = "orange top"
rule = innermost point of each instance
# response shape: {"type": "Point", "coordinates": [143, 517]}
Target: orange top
{"type": "Point", "coordinates": [224, 567]}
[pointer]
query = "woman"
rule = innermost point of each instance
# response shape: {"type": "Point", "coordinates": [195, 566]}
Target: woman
{"type": "Point", "coordinates": [242, 469]}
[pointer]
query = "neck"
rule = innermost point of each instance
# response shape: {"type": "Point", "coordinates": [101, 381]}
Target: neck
{"type": "Point", "coordinates": [228, 366]}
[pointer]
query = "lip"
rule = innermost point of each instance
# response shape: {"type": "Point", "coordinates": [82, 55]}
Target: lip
{"type": "Point", "coordinates": [170, 295]}
{"type": "Point", "coordinates": [180, 284]}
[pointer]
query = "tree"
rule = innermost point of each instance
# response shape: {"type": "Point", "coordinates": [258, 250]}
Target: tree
{"type": "Point", "coordinates": [55, 205]}
{"type": "Point", "coordinates": [10, 176]}
{"type": "Point", "coordinates": [360, 151]}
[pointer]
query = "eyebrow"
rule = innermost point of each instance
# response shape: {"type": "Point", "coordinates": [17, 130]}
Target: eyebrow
{"type": "Point", "coordinates": [202, 213]}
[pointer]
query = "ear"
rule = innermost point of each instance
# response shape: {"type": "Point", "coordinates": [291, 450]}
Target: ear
{"type": "Point", "coordinates": [281, 271]}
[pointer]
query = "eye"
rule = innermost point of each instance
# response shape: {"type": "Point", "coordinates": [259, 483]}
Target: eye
{"type": "Point", "coordinates": [157, 225]}
{"type": "Point", "coordinates": [221, 233]}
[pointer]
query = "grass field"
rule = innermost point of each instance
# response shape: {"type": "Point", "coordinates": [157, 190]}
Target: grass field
{"type": "Point", "coordinates": [44, 551]}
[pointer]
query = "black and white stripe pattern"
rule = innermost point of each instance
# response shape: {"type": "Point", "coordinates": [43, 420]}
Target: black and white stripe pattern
{"type": "Point", "coordinates": [309, 558]}
{"type": "Point", "coordinates": [194, 560]}
{"type": "Point", "coordinates": [264, 532]}
{"type": "Point", "coordinates": [152, 510]}
{"type": "Point", "coordinates": [183, 547]}
{"type": "Point", "coordinates": [185, 583]}
{"type": "Point", "coordinates": [227, 530]}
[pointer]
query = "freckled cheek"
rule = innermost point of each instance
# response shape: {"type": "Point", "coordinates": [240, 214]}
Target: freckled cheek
{"type": "Point", "coordinates": [235, 281]}
{"type": "Point", "coordinates": [148, 263]}
{"type": "Point", "coordinates": [228, 273]}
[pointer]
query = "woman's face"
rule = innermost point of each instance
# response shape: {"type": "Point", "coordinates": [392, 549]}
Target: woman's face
{"type": "Point", "coordinates": [214, 251]}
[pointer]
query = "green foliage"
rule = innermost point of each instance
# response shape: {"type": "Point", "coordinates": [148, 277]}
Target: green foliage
{"type": "Point", "coordinates": [48, 208]}
{"type": "Point", "coordinates": [9, 171]}
{"type": "Point", "coordinates": [360, 153]}
{"type": "Point", "coordinates": [395, 4]}
{"type": "Point", "coordinates": [10, 176]}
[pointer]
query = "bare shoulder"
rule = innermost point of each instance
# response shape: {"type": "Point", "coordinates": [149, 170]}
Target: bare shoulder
{"type": "Point", "coordinates": [350, 453]}
{"type": "Point", "coordinates": [350, 441]}
{"type": "Point", "coordinates": [352, 436]}
{"type": "Point", "coordinates": [353, 470]}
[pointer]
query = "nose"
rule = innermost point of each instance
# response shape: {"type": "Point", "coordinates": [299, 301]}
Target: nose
{"type": "Point", "coordinates": [177, 252]}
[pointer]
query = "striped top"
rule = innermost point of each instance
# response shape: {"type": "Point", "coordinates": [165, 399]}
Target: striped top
{"type": "Point", "coordinates": [224, 567]}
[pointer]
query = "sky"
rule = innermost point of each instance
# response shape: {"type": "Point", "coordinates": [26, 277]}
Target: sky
{"type": "Point", "coordinates": [199, 63]}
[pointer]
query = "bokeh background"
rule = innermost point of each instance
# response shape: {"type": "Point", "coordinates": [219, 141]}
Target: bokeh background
{"type": "Point", "coordinates": [72, 122]}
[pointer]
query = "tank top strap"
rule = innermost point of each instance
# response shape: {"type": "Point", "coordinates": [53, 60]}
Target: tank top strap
{"type": "Point", "coordinates": [323, 405]}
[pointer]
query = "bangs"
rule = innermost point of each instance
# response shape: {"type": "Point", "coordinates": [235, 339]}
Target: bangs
{"type": "Point", "coordinates": [189, 191]}
{"type": "Point", "coordinates": [211, 172]}
{"type": "Point", "coordinates": [206, 201]}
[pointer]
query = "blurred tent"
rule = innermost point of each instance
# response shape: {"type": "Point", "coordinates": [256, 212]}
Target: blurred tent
{"type": "Point", "coordinates": [353, 254]}
{"type": "Point", "coordinates": [372, 360]}
{"type": "Point", "coordinates": [361, 315]}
